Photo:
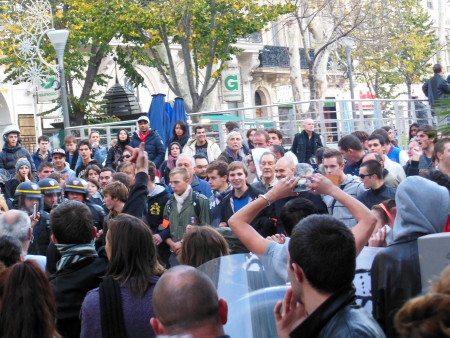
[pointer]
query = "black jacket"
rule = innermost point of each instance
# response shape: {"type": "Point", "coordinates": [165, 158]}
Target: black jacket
{"type": "Point", "coordinates": [153, 146]}
{"type": "Point", "coordinates": [299, 145]}
{"type": "Point", "coordinates": [339, 316]}
{"type": "Point", "coordinates": [395, 278]}
{"type": "Point", "coordinates": [265, 222]}
{"type": "Point", "coordinates": [41, 235]}
{"type": "Point", "coordinates": [70, 285]}
{"type": "Point", "coordinates": [435, 89]}
{"type": "Point", "coordinates": [9, 156]}
{"type": "Point", "coordinates": [82, 168]}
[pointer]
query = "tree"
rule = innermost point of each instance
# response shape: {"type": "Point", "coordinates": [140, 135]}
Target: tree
{"type": "Point", "coordinates": [326, 22]}
{"type": "Point", "coordinates": [401, 53]}
{"type": "Point", "coordinates": [206, 32]}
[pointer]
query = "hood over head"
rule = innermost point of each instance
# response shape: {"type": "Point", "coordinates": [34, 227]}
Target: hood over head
{"type": "Point", "coordinates": [422, 208]}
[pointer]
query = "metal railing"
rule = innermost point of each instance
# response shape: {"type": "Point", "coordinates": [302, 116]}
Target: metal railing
{"type": "Point", "coordinates": [334, 119]}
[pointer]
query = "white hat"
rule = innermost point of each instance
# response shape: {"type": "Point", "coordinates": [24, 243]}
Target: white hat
{"type": "Point", "coordinates": [143, 118]}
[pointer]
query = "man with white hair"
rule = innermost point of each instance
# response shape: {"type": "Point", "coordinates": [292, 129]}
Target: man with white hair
{"type": "Point", "coordinates": [306, 143]}
{"type": "Point", "coordinates": [197, 184]}
{"type": "Point", "coordinates": [233, 151]}
{"type": "Point", "coordinates": [17, 224]}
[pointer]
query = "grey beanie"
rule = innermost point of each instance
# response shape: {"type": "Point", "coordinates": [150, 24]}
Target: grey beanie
{"type": "Point", "coordinates": [21, 162]}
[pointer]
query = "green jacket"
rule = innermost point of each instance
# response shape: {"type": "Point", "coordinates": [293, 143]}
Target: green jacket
{"type": "Point", "coordinates": [179, 220]}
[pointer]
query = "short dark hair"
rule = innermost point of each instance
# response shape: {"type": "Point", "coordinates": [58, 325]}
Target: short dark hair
{"type": "Point", "coordinates": [294, 211]}
{"type": "Point", "coordinates": [319, 154]}
{"type": "Point", "coordinates": [94, 182]}
{"type": "Point", "coordinates": [277, 149]}
{"type": "Point", "coordinates": [350, 142]}
{"type": "Point", "coordinates": [428, 130]}
{"type": "Point", "coordinates": [107, 169]}
{"type": "Point", "coordinates": [152, 170]}
{"type": "Point", "coordinates": [116, 190]}
{"type": "Point", "coordinates": [320, 241]}
{"type": "Point", "coordinates": [362, 135]}
{"type": "Point", "coordinates": [200, 156]}
{"type": "Point", "coordinates": [57, 176]}
{"type": "Point", "coordinates": [439, 147]}
{"type": "Point", "coordinates": [437, 68]}
{"type": "Point", "coordinates": [437, 176]}
{"type": "Point", "coordinates": [275, 131]}
{"type": "Point", "coordinates": [383, 133]}
{"type": "Point", "coordinates": [220, 166]}
{"type": "Point", "coordinates": [44, 138]}
{"type": "Point", "coordinates": [72, 223]}
{"type": "Point", "coordinates": [185, 298]}
{"type": "Point", "coordinates": [84, 142]}
{"type": "Point", "coordinates": [373, 168]}
{"type": "Point", "coordinates": [330, 153]}
{"type": "Point", "coordinates": [45, 165]}
{"type": "Point", "coordinates": [123, 178]}
{"type": "Point", "coordinates": [197, 128]}
{"type": "Point", "coordinates": [377, 137]}
{"type": "Point", "coordinates": [231, 125]}
{"type": "Point", "coordinates": [250, 131]}
{"type": "Point", "coordinates": [10, 250]}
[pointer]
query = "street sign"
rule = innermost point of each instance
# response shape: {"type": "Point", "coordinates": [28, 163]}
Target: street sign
{"type": "Point", "coordinates": [232, 85]}
{"type": "Point", "coordinates": [46, 91]}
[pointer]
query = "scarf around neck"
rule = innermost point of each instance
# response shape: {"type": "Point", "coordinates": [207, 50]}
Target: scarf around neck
{"type": "Point", "coordinates": [182, 198]}
{"type": "Point", "coordinates": [72, 253]}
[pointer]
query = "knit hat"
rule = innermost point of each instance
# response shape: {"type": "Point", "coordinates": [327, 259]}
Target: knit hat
{"type": "Point", "coordinates": [22, 161]}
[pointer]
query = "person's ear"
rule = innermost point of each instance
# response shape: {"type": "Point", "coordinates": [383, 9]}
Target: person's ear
{"type": "Point", "coordinates": [298, 272]}
{"type": "Point", "coordinates": [157, 326]}
{"type": "Point", "coordinates": [223, 311]}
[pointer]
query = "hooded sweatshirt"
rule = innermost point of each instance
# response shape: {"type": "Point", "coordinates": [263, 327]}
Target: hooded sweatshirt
{"type": "Point", "coordinates": [69, 173]}
{"type": "Point", "coordinates": [422, 209]}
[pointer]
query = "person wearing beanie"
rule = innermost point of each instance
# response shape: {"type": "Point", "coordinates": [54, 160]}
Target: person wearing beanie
{"type": "Point", "coordinates": [23, 174]}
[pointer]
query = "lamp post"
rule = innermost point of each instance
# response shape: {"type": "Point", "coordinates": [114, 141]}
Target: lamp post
{"type": "Point", "coordinates": [349, 44]}
{"type": "Point", "coordinates": [58, 38]}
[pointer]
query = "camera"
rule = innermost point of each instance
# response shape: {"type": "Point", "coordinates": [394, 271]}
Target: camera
{"type": "Point", "coordinates": [302, 169]}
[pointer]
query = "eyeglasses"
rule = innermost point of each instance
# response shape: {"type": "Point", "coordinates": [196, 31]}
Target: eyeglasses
{"type": "Point", "coordinates": [364, 176]}
{"type": "Point", "coordinates": [126, 156]}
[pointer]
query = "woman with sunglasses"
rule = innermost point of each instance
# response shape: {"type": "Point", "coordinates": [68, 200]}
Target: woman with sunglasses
{"type": "Point", "coordinates": [116, 152]}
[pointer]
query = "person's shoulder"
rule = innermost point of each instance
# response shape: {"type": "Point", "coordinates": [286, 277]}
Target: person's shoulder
{"type": "Point", "coordinates": [352, 321]}
{"type": "Point", "coordinates": [92, 297]}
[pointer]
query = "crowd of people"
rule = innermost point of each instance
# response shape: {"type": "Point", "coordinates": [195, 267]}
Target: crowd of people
{"type": "Point", "coordinates": [98, 242]}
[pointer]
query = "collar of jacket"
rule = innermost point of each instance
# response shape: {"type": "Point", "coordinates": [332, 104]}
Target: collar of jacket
{"type": "Point", "coordinates": [317, 320]}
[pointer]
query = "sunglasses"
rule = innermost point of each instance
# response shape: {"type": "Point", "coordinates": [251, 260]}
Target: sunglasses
{"type": "Point", "coordinates": [364, 176]}
{"type": "Point", "coordinates": [126, 156]}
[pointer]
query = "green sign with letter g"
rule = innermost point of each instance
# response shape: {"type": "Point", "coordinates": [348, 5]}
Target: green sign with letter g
{"type": "Point", "coordinates": [231, 82]}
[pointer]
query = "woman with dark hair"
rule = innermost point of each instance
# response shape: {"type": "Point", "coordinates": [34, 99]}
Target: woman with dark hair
{"type": "Point", "coordinates": [180, 133]}
{"type": "Point", "coordinates": [201, 244]}
{"type": "Point", "coordinates": [115, 153]}
{"type": "Point", "coordinates": [174, 150]}
{"type": "Point", "coordinates": [122, 305]}
{"type": "Point", "coordinates": [28, 305]}
{"type": "Point", "coordinates": [413, 130]}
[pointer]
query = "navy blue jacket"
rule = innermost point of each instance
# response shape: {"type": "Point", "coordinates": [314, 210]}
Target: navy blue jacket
{"type": "Point", "coordinates": [154, 146]}
{"type": "Point", "coordinates": [155, 208]}
{"type": "Point", "coordinates": [9, 156]}
{"type": "Point", "coordinates": [37, 160]}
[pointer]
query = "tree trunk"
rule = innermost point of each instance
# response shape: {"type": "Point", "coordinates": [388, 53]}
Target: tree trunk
{"type": "Point", "coordinates": [295, 75]}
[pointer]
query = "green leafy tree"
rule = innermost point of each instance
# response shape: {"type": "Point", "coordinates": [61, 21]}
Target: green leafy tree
{"type": "Point", "coordinates": [401, 52]}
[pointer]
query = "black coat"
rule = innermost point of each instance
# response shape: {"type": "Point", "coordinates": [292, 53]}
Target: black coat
{"type": "Point", "coordinates": [435, 89]}
{"type": "Point", "coordinates": [71, 285]}
{"type": "Point", "coordinates": [395, 278]}
{"type": "Point", "coordinates": [299, 145]}
{"type": "Point", "coordinates": [9, 156]}
{"type": "Point", "coordinates": [153, 146]}
{"type": "Point", "coordinates": [264, 222]}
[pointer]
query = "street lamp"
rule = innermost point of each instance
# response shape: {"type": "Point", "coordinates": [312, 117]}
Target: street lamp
{"type": "Point", "coordinates": [349, 45]}
{"type": "Point", "coordinates": [58, 38]}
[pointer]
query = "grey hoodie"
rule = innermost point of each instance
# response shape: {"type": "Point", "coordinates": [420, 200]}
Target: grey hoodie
{"type": "Point", "coordinates": [422, 208]}
{"type": "Point", "coordinates": [69, 173]}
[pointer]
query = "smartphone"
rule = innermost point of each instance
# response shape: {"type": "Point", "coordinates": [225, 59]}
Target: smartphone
{"type": "Point", "coordinates": [302, 169]}
{"type": "Point", "coordinates": [35, 208]}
